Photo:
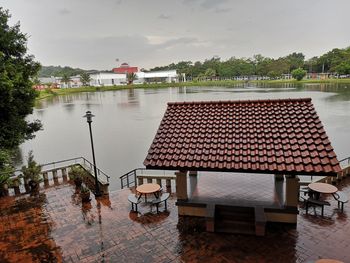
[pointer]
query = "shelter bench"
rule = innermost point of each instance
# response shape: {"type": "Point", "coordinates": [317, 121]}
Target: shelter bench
{"type": "Point", "coordinates": [314, 202]}
{"type": "Point", "coordinates": [342, 198]}
{"type": "Point", "coordinates": [134, 201]}
{"type": "Point", "coordinates": [163, 198]}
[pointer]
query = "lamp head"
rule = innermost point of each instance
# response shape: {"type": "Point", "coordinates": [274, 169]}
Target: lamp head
{"type": "Point", "coordinates": [88, 116]}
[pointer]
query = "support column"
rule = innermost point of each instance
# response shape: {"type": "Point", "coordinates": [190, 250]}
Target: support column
{"type": "Point", "coordinates": [181, 185]}
{"type": "Point", "coordinates": [292, 191]}
{"type": "Point", "coordinates": [64, 174]}
{"type": "Point", "coordinates": [54, 174]}
{"type": "Point", "coordinates": [46, 176]}
{"type": "Point", "coordinates": [168, 185]}
{"type": "Point", "coordinates": [279, 193]}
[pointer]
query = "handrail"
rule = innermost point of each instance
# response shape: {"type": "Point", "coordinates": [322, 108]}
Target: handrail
{"type": "Point", "coordinates": [99, 171]}
{"type": "Point", "coordinates": [129, 179]}
{"type": "Point", "coordinates": [132, 173]}
{"type": "Point", "coordinates": [345, 159]}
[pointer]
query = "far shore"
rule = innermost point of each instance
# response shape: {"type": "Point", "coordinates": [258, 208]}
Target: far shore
{"type": "Point", "coordinates": [43, 94]}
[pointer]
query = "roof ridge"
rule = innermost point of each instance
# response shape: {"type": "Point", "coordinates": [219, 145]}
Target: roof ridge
{"type": "Point", "coordinates": [241, 101]}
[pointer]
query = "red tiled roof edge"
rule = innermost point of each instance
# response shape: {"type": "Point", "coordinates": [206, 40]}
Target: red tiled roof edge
{"type": "Point", "coordinates": [240, 101]}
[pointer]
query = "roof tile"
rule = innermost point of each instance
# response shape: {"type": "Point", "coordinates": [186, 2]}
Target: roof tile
{"type": "Point", "coordinates": [283, 135]}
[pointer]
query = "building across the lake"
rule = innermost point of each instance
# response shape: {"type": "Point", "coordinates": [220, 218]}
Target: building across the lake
{"type": "Point", "coordinates": [111, 78]}
{"type": "Point", "coordinates": [125, 68]}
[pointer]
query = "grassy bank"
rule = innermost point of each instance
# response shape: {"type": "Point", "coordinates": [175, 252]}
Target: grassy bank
{"type": "Point", "coordinates": [56, 92]}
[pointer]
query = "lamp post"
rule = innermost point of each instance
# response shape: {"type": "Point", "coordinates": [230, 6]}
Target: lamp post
{"type": "Point", "coordinates": [88, 117]}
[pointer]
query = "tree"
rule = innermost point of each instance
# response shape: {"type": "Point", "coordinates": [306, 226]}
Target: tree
{"type": "Point", "coordinates": [85, 79]}
{"type": "Point", "coordinates": [210, 73]}
{"type": "Point", "coordinates": [298, 74]}
{"type": "Point", "coordinates": [66, 79]}
{"type": "Point", "coordinates": [17, 97]}
{"type": "Point", "coordinates": [343, 68]}
{"type": "Point", "coordinates": [131, 77]}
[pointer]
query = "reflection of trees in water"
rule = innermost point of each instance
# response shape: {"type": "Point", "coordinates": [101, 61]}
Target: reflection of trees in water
{"type": "Point", "coordinates": [341, 91]}
{"type": "Point", "coordinates": [132, 96]}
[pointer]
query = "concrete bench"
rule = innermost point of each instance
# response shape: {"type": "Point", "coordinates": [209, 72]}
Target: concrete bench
{"type": "Point", "coordinates": [342, 198]}
{"type": "Point", "coordinates": [163, 198]}
{"type": "Point", "coordinates": [134, 201]}
{"type": "Point", "coordinates": [314, 202]}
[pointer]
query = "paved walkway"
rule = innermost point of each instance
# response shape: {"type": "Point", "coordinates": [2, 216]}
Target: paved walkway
{"type": "Point", "coordinates": [55, 227]}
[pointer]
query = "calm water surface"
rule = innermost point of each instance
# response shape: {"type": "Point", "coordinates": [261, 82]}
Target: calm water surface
{"type": "Point", "coordinates": [127, 120]}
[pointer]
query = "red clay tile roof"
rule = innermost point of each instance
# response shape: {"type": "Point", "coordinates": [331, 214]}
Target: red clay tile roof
{"type": "Point", "coordinates": [262, 136]}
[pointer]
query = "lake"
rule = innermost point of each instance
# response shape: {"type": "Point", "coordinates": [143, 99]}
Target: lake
{"type": "Point", "coordinates": [127, 120]}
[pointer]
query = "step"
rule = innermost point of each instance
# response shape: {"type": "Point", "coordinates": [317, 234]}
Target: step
{"type": "Point", "coordinates": [235, 227]}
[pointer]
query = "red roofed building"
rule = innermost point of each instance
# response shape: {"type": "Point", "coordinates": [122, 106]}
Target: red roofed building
{"type": "Point", "coordinates": [284, 138]}
{"type": "Point", "coordinates": [124, 69]}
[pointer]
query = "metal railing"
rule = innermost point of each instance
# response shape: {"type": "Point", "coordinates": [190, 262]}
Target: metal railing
{"type": "Point", "coordinates": [345, 162]}
{"type": "Point", "coordinates": [86, 164]}
{"type": "Point", "coordinates": [129, 179]}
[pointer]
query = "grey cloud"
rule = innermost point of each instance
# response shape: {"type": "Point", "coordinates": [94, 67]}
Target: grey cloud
{"type": "Point", "coordinates": [164, 16]}
{"type": "Point", "coordinates": [222, 10]}
{"type": "Point", "coordinates": [178, 41]}
{"type": "Point", "coordinates": [210, 4]}
{"type": "Point", "coordinates": [64, 11]}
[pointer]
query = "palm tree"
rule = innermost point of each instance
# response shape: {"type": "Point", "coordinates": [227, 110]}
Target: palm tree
{"type": "Point", "coordinates": [85, 78]}
{"type": "Point", "coordinates": [131, 77]}
{"type": "Point", "coordinates": [65, 79]}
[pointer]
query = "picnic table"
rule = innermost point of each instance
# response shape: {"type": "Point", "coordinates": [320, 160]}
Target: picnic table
{"type": "Point", "coordinates": [322, 188]}
{"type": "Point", "coordinates": [146, 189]}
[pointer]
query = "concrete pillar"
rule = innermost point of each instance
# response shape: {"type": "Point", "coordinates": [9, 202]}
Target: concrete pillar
{"type": "Point", "coordinates": [168, 185]}
{"type": "Point", "coordinates": [140, 181]}
{"type": "Point", "coordinates": [64, 174]}
{"type": "Point", "coordinates": [181, 185]}
{"type": "Point", "coordinates": [46, 176]}
{"type": "Point", "coordinates": [292, 191]}
{"type": "Point", "coordinates": [279, 177]}
{"type": "Point", "coordinates": [54, 174]}
{"type": "Point", "coordinates": [279, 189]}
{"type": "Point", "coordinates": [193, 173]}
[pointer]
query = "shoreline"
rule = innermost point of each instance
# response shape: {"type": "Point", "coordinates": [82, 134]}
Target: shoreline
{"type": "Point", "coordinates": [44, 94]}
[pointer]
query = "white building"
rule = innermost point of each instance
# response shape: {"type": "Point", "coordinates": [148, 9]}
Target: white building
{"type": "Point", "coordinates": [157, 77]}
{"type": "Point", "coordinates": [107, 79]}
{"type": "Point", "coordinates": [111, 79]}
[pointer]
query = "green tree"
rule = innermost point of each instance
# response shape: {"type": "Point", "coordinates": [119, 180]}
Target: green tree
{"type": "Point", "coordinates": [17, 97]}
{"type": "Point", "coordinates": [210, 73]}
{"type": "Point", "coordinates": [298, 74]}
{"type": "Point", "coordinates": [66, 79]}
{"type": "Point", "coordinates": [131, 77]}
{"type": "Point", "coordinates": [343, 68]}
{"type": "Point", "coordinates": [85, 79]}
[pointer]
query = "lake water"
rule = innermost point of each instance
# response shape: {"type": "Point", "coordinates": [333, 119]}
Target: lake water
{"type": "Point", "coordinates": [126, 120]}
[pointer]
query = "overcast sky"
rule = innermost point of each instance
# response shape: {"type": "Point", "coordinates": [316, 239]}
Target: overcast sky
{"type": "Point", "coordinates": [92, 34]}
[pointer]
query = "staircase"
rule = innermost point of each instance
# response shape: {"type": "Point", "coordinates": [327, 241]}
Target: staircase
{"type": "Point", "coordinates": [239, 220]}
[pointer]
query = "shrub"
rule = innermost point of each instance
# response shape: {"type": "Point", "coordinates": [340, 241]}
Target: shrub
{"type": "Point", "coordinates": [298, 74]}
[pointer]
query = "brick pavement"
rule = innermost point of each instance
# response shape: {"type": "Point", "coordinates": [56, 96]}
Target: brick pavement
{"type": "Point", "coordinates": [55, 227]}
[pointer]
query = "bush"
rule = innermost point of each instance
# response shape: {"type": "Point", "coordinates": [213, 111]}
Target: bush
{"type": "Point", "coordinates": [32, 171]}
{"type": "Point", "coordinates": [298, 74]}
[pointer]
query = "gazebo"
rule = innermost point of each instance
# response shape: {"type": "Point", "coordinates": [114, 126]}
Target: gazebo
{"type": "Point", "coordinates": [282, 137]}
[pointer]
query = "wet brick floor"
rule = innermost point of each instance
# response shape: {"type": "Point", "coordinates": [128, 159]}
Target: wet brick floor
{"type": "Point", "coordinates": [55, 227]}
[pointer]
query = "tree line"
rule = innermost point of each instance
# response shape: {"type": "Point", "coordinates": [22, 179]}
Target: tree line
{"type": "Point", "coordinates": [336, 61]}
